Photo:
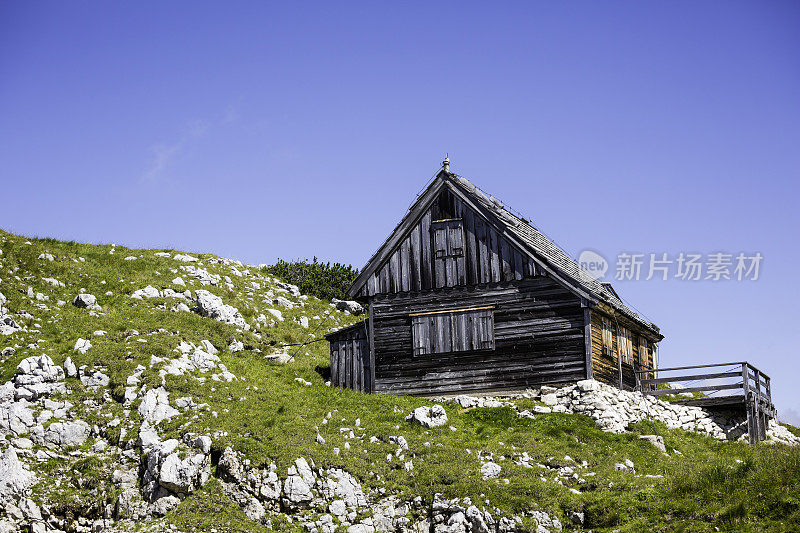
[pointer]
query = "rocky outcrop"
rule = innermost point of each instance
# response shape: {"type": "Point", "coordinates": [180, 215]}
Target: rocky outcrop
{"type": "Point", "coordinates": [15, 478]}
{"type": "Point", "coordinates": [171, 473]}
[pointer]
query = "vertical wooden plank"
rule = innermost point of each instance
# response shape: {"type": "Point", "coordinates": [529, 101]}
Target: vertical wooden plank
{"type": "Point", "coordinates": [505, 253]}
{"type": "Point", "coordinates": [334, 364]}
{"type": "Point", "coordinates": [342, 365]}
{"type": "Point", "coordinates": [519, 265]}
{"type": "Point", "coordinates": [346, 362]}
{"type": "Point", "coordinates": [360, 349]}
{"type": "Point", "coordinates": [482, 250]}
{"type": "Point", "coordinates": [405, 265]}
{"type": "Point", "coordinates": [394, 271]}
{"type": "Point", "coordinates": [372, 284]}
{"type": "Point", "coordinates": [464, 337]}
{"type": "Point", "coordinates": [439, 252]}
{"type": "Point", "coordinates": [493, 247]}
{"type": "Point", "coordinates": [587, 339]}
{"type": "Point", "coordinates": [415, 253]}
{"type": "Point", "coordinates": [425, 242]}
{"type": "Point", "coordinates": [474, 331]}
{"type": "Point", "coordinates": [444, 332]}
{"type": "Point", "coordinates": [371, 332]}
{"type": "Point", "coordinates": [470, 251]}
{"type": "Point", "coordinates": [456, 247]}
{"type": "Point", "coordinates": [384, 276]}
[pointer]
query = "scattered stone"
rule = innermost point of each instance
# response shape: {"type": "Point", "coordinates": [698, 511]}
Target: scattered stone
{"type": "Point", "coordinates": [490, 470]}
{"type": "Point", "coordinates": [82, 346]}
{"type": "Point", "coordinates": [147, 292]}
{"type": "Point", "coordinates": [85, 301]}
{"type": "Point", "coordinates": [655, 440]}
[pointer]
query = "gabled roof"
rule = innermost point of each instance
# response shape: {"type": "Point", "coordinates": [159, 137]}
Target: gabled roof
{"type": "Point", "coordinates": [530, 240]}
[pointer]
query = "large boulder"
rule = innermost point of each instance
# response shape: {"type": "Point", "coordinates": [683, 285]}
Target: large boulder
{"type": "Point", "coordinates": [85, 301]}
{"type": "Point", "coordinates": [67, 433]}
{"type": "Point", "coordinates": [147, 292]}
{"type": "Point", "coordinates": [212, 306]}
{"type": "Point", "coordinates": [429, 417]}
{"type": "Point", "coordinates": [296, 492]}
{"type": "Point", "coordinates": [184, 476]}
{"type": "Point", "coordinates": [350, 306]}
{"type": "Point", "coordinates": [82, 346]}
{"type": "Point", "coordinates": [37, 369]}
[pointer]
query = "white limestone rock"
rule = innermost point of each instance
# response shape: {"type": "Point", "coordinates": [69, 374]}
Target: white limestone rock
{"type": "Point", "coordinates": [72, 433]}
{"type": "Point", "coordinates": [82, 346]}
{"type": "Point", "coordinates": [85, 301]}
{"type": "Point", "coordinates": [490, 470]}
{"type": "Point", "coordinates": [429, 417]}
{"type": "Point", "coordinates": [155, 406]}
{"type": "Point", "coordinates": [212, 306]}
{"type": "Point", "coordinates": [15, 478]}
{"type": "Point", "coordinates": [352, 307]}
{"type": "Point", "coordinates": [147, 292]}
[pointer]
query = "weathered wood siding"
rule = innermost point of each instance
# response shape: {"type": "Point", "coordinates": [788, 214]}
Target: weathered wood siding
{"type": "Point", "coordinates": [538, 327]}
{"type": "Point", "coordinates": [350, 358]}
{"type": "Point", "coordinates": [488, 257]}
{"type": "Point", "coordinates": [605, 367]}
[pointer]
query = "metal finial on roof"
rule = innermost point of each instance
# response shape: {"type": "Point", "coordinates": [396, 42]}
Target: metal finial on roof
{"type": "Point", "coordinates": [446, 163]}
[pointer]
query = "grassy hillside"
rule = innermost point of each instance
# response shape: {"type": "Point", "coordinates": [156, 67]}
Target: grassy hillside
{"type": "Point", "coordinates": [269, 415]}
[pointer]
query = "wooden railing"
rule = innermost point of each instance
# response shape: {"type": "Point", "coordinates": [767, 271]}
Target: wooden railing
{"type": "Point", "coordinates": [753, 383]}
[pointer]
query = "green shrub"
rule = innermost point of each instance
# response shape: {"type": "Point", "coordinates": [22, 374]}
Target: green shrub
{"type": "Point", "coordinates": [323, 280]}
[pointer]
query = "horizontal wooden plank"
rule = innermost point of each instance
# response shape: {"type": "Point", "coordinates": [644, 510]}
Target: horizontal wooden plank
{"type": "Point", "coordinates": [695, 389]}
{"type": "Point", "coordinates": [692, 377]}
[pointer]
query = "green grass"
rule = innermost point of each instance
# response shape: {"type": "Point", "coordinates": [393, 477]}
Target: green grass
{"type": "Point", "coordinates": [269, 417]}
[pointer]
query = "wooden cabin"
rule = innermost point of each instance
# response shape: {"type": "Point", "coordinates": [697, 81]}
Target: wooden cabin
{"type": "Point", "coordinates": [464, 295]}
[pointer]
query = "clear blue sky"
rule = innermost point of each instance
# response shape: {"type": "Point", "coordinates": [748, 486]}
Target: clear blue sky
{"type": "Point", "coordinates": [257, 130]}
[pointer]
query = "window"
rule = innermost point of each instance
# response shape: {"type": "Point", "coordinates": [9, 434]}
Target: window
{"type": "Point", "coordinates": [608, 338]}
{"type": "Point", "coordinates": [625, 346]}
{"type": "Point", "coordinates": [448, 238]}
{"type": "Point", "coordinates": [459, 330]}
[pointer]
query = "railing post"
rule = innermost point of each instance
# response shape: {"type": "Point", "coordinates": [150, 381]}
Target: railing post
{"type": "Point", "coordinates": [757, 375]}
{"type": "Point", "coordinates": [745, 380]}
{"type": "Point", "coordinates": [747, 404]}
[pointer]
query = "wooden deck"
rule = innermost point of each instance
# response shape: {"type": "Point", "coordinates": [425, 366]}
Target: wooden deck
{"type": "Point", "coordinates": [731, 386]}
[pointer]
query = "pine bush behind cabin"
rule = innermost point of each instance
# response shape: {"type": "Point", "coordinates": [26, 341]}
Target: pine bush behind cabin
{"type": "Point", "coordinates": [323, 280]}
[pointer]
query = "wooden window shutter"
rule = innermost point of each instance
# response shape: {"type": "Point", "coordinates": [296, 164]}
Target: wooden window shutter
{"type": "Point", "coordinates": [608, 339]}
{"type": "Point", "coordinates": [625, 345]}
{"type": "Point", "coordinates": [459, 330]}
